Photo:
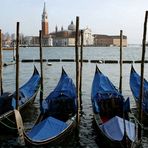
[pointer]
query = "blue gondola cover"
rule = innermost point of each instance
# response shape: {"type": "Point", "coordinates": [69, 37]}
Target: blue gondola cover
{"type": "Point", "coordinates": [60, 101]}
{"type": "Point", "coordinates": [135, 83]}
{"type": "Point", "coordinates": [102, 89]}
{"type": "Point", "coordinates": [28, 89]}
{"type": "Point", "coordinates": [65, 89]}
{"type": "Point", "coordinates": [48, 128]}
{"type": "Point", "coordinates": [114, 129]}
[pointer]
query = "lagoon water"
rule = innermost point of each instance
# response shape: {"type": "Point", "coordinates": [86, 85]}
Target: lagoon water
{"type": "Point", "coordinates": [87, 136]}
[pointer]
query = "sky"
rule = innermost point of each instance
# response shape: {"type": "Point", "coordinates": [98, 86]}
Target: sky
{"type": "Point", "coordinates": [101, 16]}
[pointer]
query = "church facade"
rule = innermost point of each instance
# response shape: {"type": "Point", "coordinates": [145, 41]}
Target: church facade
{"type": "Point", "coordinates": [66, 37]}
{"type": "Point", "coordinates": [63, 37]}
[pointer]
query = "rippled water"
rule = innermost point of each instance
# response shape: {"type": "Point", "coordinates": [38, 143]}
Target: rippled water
{"type": "Point", "coordinates": [87, 136]}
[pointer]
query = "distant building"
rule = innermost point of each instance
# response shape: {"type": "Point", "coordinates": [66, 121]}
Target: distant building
{"type": "Point", "coordinates": [45, 31]}
{"type": "Point", "coordinates": [46, 37]}
{"type": "Point", "coordinates": [34, 41]}
{"type": "Point", "coordinates": [88, 37]}
{"type": "Point", "coordinates": [67, 37]}
{"type": "Point", "coordinates": [28, 40]}
{"type": "Point", "coordinates": [106, 40]}
{"type": "Point", "coordinates": [63, 37]}
{"type": "Point", "coordinates": [116, 40]}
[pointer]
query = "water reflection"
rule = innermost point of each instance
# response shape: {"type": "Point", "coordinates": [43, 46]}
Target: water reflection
{"type": "Point", "coordinates": [87, 135]}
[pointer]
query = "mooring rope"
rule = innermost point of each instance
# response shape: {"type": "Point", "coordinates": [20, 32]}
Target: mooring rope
{"type": "Point", "coordinates": [137, 120]}
{"type": "Point", "coordinates": [10, 120]}
{"type": "Point", "coordinates": [10, 127]}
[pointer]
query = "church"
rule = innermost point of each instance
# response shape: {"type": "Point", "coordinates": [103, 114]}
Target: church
{"type": "Point", "coordinates": [63, 37]}
{"type": "Point", "coordinates": [46, 37]}
{"type": "Point", "coordinates": [66, 37]}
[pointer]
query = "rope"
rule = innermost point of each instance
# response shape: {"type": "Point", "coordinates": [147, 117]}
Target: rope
{"type": "Point", "coordinates": [41, 90]}
{"type": "Point", "coordinates": [137, 120]}
{"type": "Point", "coordinates": [10, 120]}
{"type": "Point", "coordinates": [10, 127]}
{"type": "Point", "coordinates": [136, 144]}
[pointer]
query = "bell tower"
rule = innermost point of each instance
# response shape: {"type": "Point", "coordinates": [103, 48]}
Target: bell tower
{"type": "Point", "coordinates": [44, 21]}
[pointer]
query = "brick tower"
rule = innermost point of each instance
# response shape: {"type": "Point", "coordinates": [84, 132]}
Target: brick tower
{"type": "Point", "coordinates": [44, 22]}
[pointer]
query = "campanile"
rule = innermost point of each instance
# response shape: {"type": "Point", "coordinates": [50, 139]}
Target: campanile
{"type": "Point", "coordinates": [44, 21]}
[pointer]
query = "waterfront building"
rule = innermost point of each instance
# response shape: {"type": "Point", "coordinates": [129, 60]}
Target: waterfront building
{"type": "Point", "coordinates": [28, 40]}
{"type": "Point", "coordinates": [106, 40]}
{"type": "Point", "coordinates": [46, 37]}
{"type": "Point", "coordinates": [44, 22]}
{"type": "Point", "coordinates": [88, 37]}
{"type": "Point", "coordinates": [64, 37]}
{"type": "Point", "coordinates": [116, 40]}
{"type": "Point", "coordinates": [33, 41]}
{"type": "Point", "coordinates": [67, 37]}
{"type": "Point", "coordinates": [6, 39]}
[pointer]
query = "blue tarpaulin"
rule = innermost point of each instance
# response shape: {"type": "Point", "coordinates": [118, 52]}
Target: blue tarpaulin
{"type": "Point", "coordinates": [103, 89]}
{"type": "Point", "coordinates": [48, 128]}
{"type": "Point", "coordinates": [102, 85]}
{"type": "Point", "coordinates": [135, 84]}
{"type": "Point", "coordinates": [55, 109]}
{"type": "Point", "coordinates": [114, 129]}
{"type": "Point", "coordinates": [65, 91]}
{"type": "Point", "coordinates": [28, 89]}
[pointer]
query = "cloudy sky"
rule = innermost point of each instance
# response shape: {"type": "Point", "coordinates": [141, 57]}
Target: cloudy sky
{"type": "Point", "coordinates": [102, 16]}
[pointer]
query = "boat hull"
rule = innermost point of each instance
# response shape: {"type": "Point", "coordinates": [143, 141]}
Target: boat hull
{"type": "Point", "coordinates": [7, 120]}
{"type": "Point", "coordinates": [109, 109]}
{"type": "Point", "coordinates": [104, 141]}
{"type": "Point", "coordinates": [135, 80]}
{"type": "Point", "coordinates": [144, 115]}
{"type": "Point", "coordinates": [59, 139]}
{"type": "Point", "coordinates": [57, 119]}
{"type": "Point", "coordinates": [27, 95]}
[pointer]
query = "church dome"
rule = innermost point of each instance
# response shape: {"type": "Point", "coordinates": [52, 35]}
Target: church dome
{"type": "Point", "coordinates": [72, 26]}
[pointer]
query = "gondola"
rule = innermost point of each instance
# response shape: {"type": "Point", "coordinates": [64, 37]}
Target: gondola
{"type": "Point", "coordinates": [57, 119]}
{"type": "Point", "coordinates": [135, 84]}
{"type": "Point", "coordinates": [27, 94]}
{"type": "Point", "coordinates": [111, 113]}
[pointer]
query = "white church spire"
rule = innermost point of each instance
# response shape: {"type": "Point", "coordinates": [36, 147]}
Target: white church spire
{"type": "Point", "coordinates": [45, 21]}
{"type": "Point", "coordinates": [44, 15]}
{"type": "Point", "coordinates": [44, 9]}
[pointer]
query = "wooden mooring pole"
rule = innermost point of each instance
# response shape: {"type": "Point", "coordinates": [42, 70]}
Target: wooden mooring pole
{"type": "Point", "coordinates": [19, 121]}
{"type": "Point", "coordinates": [17, 66]}
{"type": "Point", "coordinates": [81, 67]}
{"type": "Point", "coordinates": [41, 68]}
{"type": "Point", "coordinates": [142, 76]}
{"type": "Point", "coordinates": [13, 50]}
{"type": "Point", "coordinates": [1, 65]}
{"type": "Point", "coordinates": [77, 68]}
{"type": "Point", "coordinates": [120, 84]}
